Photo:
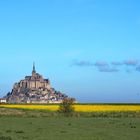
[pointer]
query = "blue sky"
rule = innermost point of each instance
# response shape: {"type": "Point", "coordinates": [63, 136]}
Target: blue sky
{"type": "Point", "coordinates": [89, 49]}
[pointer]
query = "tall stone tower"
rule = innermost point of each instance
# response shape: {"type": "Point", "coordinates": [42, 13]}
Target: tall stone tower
{"type": "Point", "coordinates": [33, 71]}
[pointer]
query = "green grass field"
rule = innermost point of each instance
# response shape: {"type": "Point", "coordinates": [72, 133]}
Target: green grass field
{"type": "Point", "coordinates": [17, 124]}
{"type": "Point", "coordinates": [62, 128]}
{"type": "Point", "coordinates": [21, 124]}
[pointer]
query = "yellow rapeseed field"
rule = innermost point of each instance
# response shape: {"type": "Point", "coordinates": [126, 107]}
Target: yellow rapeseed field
{"type": "Point", "coordinates": [78, 108]}
{"type": "Point", "coordinates": [32, 107]}
{"type": "Point", "coordinates": [105, 108]}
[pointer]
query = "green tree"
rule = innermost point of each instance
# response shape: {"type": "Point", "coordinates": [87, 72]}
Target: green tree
{"type": "Point", "coordinates": [66, 107]}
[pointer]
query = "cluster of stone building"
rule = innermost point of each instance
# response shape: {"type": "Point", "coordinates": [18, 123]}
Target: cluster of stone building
{"type": "Point", "coordinates": [34, 89]}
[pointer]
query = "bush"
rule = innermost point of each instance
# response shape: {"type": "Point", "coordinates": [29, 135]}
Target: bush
{"type": "Point", "coordinates": [66, 106]}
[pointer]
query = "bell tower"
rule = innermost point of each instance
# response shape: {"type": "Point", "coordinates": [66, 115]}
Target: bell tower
{"type": "Point", "coordinates": [33, 71]}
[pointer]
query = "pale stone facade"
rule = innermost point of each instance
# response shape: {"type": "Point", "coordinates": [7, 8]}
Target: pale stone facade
{"type": "Point", "coordinates": [35, 81]}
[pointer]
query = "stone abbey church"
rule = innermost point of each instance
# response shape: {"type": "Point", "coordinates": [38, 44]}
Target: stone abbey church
{"type": "Point", "coordinates": [36, 81]}
{"type": "Point", "coordinates": [34, 89]}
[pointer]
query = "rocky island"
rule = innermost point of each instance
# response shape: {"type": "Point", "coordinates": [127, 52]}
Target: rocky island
{"type": "Point", "coordinates": [34, 89]}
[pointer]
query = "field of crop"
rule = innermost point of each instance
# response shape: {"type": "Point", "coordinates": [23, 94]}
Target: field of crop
{"type": "Point", "coordinates": [79, 107]}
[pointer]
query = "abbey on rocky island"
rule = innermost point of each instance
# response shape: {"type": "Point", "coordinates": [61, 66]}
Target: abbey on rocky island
{"type": "Point", "coordinates": [34, 89]}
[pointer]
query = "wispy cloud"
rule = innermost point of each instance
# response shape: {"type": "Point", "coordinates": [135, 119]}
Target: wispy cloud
{"type": "Point", "coordinates": [108, 69]}
{"type": "Point", "coordinates": [138, 68]}
{"type": "Point", "coordinates": [104, 66]}
{"type": "Point", "coordinates": [116, 63]}
{"type": "Point", "coordinates": [82, 63]}
{"type": "Point", "coordinates": [101, 63]}
{"type": "Point", "coordinates": [131, 62]}
{"type": "Point", "coordinates": [114, 66]}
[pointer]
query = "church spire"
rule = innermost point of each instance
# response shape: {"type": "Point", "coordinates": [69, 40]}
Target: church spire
{"type": "Point", "coordinates": [34, 71]}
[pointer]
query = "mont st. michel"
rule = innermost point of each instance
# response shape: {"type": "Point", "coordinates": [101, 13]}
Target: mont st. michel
{"type": "Point", "coordinates": [34, 89]}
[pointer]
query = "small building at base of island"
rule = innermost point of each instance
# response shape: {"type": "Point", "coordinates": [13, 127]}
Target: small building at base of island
{"type": "Point", "coordinates": [34, 89]}
{"type": "Point", "coordinates": [3, 100]}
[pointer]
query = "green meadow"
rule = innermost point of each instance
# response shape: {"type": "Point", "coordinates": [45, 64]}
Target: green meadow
{"type": "Point", "coordinates": [42, 125]}
{"type": "Point", "coordinates": [40, 128]}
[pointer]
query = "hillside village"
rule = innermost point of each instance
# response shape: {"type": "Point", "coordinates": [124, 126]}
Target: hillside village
{"type": "Point", "coordinates": [34, 89]}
